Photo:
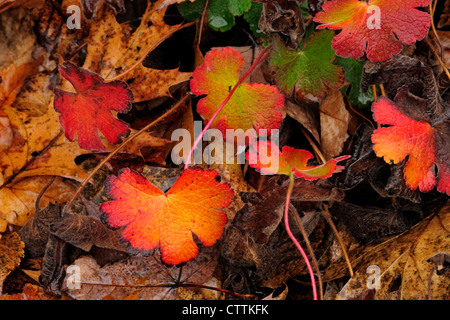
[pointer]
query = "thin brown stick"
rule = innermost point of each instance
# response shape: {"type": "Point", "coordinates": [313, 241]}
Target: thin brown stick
{"type": "Point", "coordinates": [383, 92]}
{"type": "Point", "coordinates": [314, 146]}
{"type": "Point", "coordinates": [444, 67]}
{"type": "Point", "coordinates": [327, 216]}
{"type": "Point", "coordinates": [120, 147]}
{"type": "Point", "coordinates": [150, 49]}
{"type": "Point", "coordinates": [353, 109]}
{"type": "Point", "coordinates": [433, 28]}
{"type": "Point", "coordinates": [202, 19]}
{"type": "Point", "coordinates": [311, 251]}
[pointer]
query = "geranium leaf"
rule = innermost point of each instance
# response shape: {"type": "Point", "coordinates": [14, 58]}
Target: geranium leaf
{"type": "Point", "coordinates": [290, 161]}
{"type": "Point", "coordinates": [424, 143]}
{"type": "Point", "coordinates": [307, 71]}
{"type": "Point", "coordinates": [377, 27]}
{"type": "Point", "coordinates": [252, 106]}
{"type": "Point", "coordinates": [88, 111]}
{"type": "Point", "coordinates": [153, 218]}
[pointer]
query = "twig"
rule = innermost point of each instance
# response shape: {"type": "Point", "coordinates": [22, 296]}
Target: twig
{"type": "Point", "coordinates": [327, 216]}
{"type": "Point", "coordinates": [438, 58]}
{"type": "Point", "coordinates": [311, 251]}
{"type": "Point", "coordinates": [314, 146]}
{"type": "Point", "coordinates": [432, 11]}
{"type": "Point", "coordinates": [120, 147]}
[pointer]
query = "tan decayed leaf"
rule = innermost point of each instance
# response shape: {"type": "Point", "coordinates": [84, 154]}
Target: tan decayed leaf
{"type": "Point", "coordinates": [112, 51]}
{"type": "Point", "coordinates": [402, 263]}
{"type": "Point", "coordinates": [17, 202]}
{"type": "Point", "coordinates": [11, 252]}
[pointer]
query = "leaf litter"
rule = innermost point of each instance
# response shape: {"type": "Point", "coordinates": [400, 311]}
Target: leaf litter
{"type": "Point", "coordinates": [139, 226]}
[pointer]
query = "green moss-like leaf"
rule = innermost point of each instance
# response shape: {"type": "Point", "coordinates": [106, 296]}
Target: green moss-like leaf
{"type": "Point", "coordinates": [309, 70]}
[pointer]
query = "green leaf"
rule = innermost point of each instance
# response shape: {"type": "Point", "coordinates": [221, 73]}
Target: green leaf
{"type": "Point", "coordinates": [220, 13]}
{"type": "Point", "coordinates": [252, 17]}
{"type": "Point", "coordinates": [353, 72]}
{"type": "Point", "coordinates": [309, 70]}
{"type": "Point", "coordinates": [239, 7]}
{"type": "Point", "coordinates": [219, 16]}
{"type": "Point", "coordinates": [191, 10]}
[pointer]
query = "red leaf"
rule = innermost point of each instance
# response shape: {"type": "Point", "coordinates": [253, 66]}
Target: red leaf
{"type": "Point", "coordinates": [360, 32]}
{"type": "Point", "coordinates": [290, 161]}
{"type": "Point", "coordinates": [88, 111]}
{"type": "Point", "coordinates": [424, 144]}
{"type": "Point", "coordinates": [152, 217]}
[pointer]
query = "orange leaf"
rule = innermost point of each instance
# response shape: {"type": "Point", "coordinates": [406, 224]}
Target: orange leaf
{"type": "Point", "coordinates": [152, 217]}
{"type": "Point", "coordinates": [290, 161]}
{"type": "Point", "coordinates": [420, 139]}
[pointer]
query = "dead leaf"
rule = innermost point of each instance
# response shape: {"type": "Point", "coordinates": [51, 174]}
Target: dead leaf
{"type": "Point", "coordinates": [112, 50]}
{"type": "Point", "coordinates": [29, 292]}
{"type": "Point", "coordinates": [17, 201]}
{"type": "Point", "coordinates": [146, 278]}
{"type": "Point", "coordinates": [11, 252]}
{"type": "Point", "coordinates": [334, 121]}
{"type": "Point", "coordinates": [403, 263]}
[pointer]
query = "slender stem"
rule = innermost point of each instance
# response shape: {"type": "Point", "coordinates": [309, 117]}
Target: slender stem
{"type": "Point", "coordinates": [327, 216]}
{"type": "Point", "coordinates": [314, 146]}
{"type": "Point", "coordinates": [383, 92]}
{"type": "Point", "coordinates": [438, 58]}
{"type": "Point", "coordinates": [297, 244]}
{"type": "Point", "coordinates": [263, 55]}
{"type": "Point", "coordinates": [311, 253]}
{"type": "Point", "coordinates": [120, 147]}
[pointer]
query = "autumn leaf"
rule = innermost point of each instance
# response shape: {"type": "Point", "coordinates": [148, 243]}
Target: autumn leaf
{"type": "Point", "coordinates": [290, 161]}
{"type": "Point", "coordinates": [89, 110]}
{"type": "Point", "coordinates": [377, 27]}
{"type": "Point", "coordinates": [252, 106]}
{"type": "Point", "coordinates": [415, 136]}
{"type": "Point", "coordinates": [309, 70]}
{"type": "Point", "coordinates": [152, 217]}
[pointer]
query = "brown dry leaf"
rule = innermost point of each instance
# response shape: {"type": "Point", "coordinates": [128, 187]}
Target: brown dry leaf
{"type": "Point", "coordinates": [8, 4]}
{"type": "Point", "coordinates": [29, 292]}
{"type": "Point", "coordinates": [406, 273]}
{"type": "Point", "coordinates": [17, 44]}
{"type": "Point", "coordinates": [111, 51]}
{"type": "Point", "coordinates": [135, 276]}
{"type": "Point", "coordinates": [11, 252]}
{"type": "Point", "coordinates": [334, 120]}
{"type": "Point", "coordinates": [17, 201]}
{"type": "Point", "coordinates": [444, 37]}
